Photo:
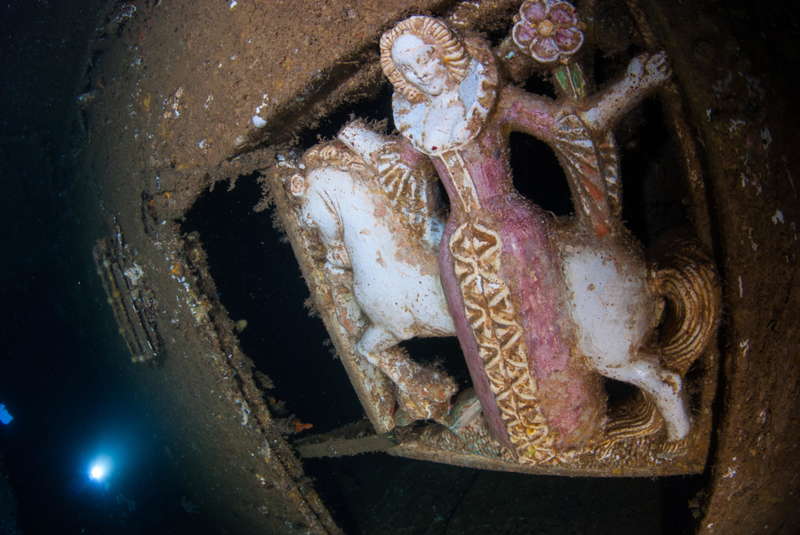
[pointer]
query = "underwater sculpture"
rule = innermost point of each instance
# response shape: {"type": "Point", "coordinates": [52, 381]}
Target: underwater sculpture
{"type": "Point", "coordinates": [543, 308]}
{"type": "Point", "coordinates": [381, 259]}
{"type": "Point", "coordinates": [538, 306]}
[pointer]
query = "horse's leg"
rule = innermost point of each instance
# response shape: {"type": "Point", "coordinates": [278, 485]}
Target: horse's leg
{"type": "Point", "coordinates": [378, 346]}
{"type": "Point", "coordinates": [663, 386]}
{"type": "Point", "coordinates": [348, 311]}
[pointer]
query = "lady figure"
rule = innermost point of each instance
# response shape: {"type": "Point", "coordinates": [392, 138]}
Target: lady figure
{"type": "Point", "coordinates": [500, 269]}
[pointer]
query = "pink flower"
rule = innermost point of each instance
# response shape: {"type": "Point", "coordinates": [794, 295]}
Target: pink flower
{"type": "Point", "coordinates": [550, 30]}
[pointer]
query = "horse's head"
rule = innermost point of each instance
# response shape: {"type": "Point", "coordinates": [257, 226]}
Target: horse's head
{"type": "Point", "coordinates": [329, 169]}
{"type": "Point", "coordinates": [317, 208]}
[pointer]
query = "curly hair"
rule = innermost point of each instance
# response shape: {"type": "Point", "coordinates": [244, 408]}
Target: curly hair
{"type": "Point", "coordinates": [454, 54]}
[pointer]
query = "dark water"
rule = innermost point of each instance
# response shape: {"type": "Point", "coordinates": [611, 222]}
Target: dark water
{"type": "Point", "coordinates": [61, 360]}
{"type": "Point", "coordinates": [60, 363]}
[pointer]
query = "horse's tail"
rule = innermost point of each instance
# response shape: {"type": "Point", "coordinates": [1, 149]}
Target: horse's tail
{"type": "Point", "coordinates": [688, 281]}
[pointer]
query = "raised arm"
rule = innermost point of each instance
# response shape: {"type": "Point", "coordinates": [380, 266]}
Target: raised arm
{"type": "Point", "coordinates": [645, 74]}
{"type": "Point", "coordinates": [531, 114]}
{"type": "Point", "coordinates": [369, 144]}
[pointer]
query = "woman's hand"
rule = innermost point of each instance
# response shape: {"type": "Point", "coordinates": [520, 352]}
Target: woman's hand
{"type": "Point", "coordinates": [649, 71]}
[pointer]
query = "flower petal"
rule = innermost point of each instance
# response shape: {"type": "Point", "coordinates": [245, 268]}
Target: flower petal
{"type": "Point", "coordinates": [568, 39]}
{"type": "Point", "coordinates": [564, 14]}
{"type": "Point", "coordinates": [523, 34]}
{"type": "Point", "coordinates": [533, 11]}
{"type": "Point", "coordinates": [544, 50]}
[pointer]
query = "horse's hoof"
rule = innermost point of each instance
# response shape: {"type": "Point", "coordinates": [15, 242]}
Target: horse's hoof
{"type": "Point", "coordinates": [465, 411]}
{"type": "Point", "coordinates": [410, 409]}
{"type": "Point", "coordinates": [673, 449]}
{"type": "Point", "coordinates": [432, 385]}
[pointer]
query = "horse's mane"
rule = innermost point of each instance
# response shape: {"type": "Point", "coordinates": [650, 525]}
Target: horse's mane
{"type": "Point", "coordinates": [334, 154]}
{"type": "Point", "coordinates": [411, 192]}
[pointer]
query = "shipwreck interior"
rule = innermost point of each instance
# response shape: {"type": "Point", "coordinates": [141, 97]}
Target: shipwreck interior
{"type": "Point", "coordinates": [254, 269]}
{"type": "Point", "coordinates": [169, 320]}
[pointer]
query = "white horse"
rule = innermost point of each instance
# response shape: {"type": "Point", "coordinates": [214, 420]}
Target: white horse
{"type": "Point", "coordinates": [616, 303]}
{"type": "Point", "coordinates": [374, 253]}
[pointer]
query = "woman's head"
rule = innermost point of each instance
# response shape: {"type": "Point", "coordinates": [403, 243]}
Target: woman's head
{"type": "Point", "coordinates": [420, 55]}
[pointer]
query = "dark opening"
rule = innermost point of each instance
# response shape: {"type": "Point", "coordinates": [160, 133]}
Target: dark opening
{"type": "Point", "coordinates": [538, 175]}
{"type": "Point", "coordinates": [376, 110]}
{"type": "Point", "coordinates": [259, 280]}
{"type": "Point", "coordinates": [653, 188]}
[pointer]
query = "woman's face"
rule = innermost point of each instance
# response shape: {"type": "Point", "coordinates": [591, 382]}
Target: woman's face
{"type": "Point", "coordinates": [421, 64]}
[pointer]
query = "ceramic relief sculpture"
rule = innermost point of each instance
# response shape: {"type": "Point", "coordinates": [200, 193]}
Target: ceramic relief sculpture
{"type": "Point", "coordinates": [381, 233]}
{"type": "Point", "coordinates": [543, 308]}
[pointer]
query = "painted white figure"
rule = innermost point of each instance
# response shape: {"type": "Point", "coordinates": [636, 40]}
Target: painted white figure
{"type": "Point", "coordinates": [615, 312]}
{"type": "Point", "coordinates": [381, 258]}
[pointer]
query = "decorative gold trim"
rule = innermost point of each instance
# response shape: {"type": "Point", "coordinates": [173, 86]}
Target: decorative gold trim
{"type": "Point", "coordinates": [462, 181]}
{"type": "Point", "coordinates": [492, 317]}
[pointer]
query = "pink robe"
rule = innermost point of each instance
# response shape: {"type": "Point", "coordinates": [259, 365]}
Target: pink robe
{"type": "Point", "coordinates": [502, 276]}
